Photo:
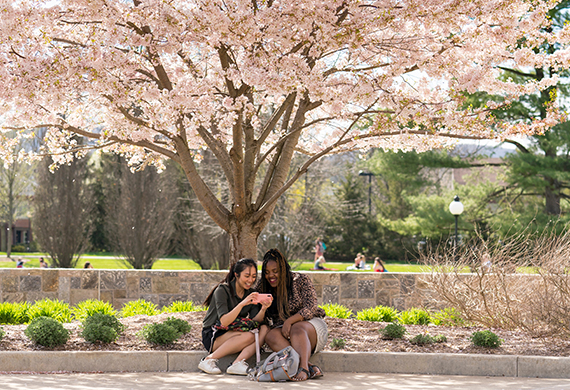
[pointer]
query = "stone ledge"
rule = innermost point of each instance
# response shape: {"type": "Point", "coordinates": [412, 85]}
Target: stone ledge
{"type": "Point", "coordinates": [362, 362]}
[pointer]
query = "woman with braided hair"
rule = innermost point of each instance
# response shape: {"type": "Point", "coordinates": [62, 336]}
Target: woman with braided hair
{"type": "Point", "coordinates": [294, 316]}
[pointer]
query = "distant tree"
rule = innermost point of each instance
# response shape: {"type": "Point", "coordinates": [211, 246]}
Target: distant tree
{"type": "Point", "coordinates": [139, 214]}
{"type": "Point", "coordinates": [62, 205]}
{"type": "Point", "coordinates": [541, 169]}
{"type": "Point", "coordinates": [15, 189]}
{"type": "Point", "coordinates": [196, 235]}
{"type": "Point", "coordinates": [349, 227]}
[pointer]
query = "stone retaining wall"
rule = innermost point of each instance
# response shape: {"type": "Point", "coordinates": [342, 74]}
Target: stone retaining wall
{"type": "Point", "coordinates": [356, 290]}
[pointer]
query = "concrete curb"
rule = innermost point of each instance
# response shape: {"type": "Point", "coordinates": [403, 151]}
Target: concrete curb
{"type": "Point", "coordinates": [361, 362]}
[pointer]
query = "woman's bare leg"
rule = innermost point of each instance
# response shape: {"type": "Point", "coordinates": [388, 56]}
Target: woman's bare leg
{"type": "Point", "coordinates": [230, 342]}
{"type": "Point", "coordinates": [249, 351]}
{"type": "Point", "coordinates": [304, 341]}
{"type": "Point", "coordinates": [275, 340]}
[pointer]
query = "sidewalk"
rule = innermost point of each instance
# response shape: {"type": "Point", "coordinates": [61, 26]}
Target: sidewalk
{"type": "Point", "coordinates": [332, 381]}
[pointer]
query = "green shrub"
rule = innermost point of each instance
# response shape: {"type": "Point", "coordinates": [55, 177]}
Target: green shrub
{"type": "Point", "coordinates": [105, 320]}
{"type": "Point", "coordinates": [393, 331]}
{"type": "Point", "coordinates": [47, 331]}
{"type": "Point", "coordinates": [182, 306]}
{"type": "Point", "coordinates": [141, 306]}
{"type": "Point", "coordinates": [486, 338]}
{"type": "Point", "coordinates": [378, 314]}
{"type": "Point", "coordinates": [55, 309]}
{"type": "Point", "coordinates": [2, 333]}
{"type": "Point", "coordinates": [180, 325]}
{"type": "Point", "coordinates": [19, 248]}
{"type": "Point", "coordinates": [440, 338]}
{"type": "Point", "coordinates": [22, 312]}
{"type": "Point", "coordinates": [97, 332]}
{"type": "Point", "coordinates": [160, 333]}
{"type": "Point", "coordinates": [337, 343]}
{"type": "Point", "coordinates": [422, 339]}
{"type": "Point", "coordinates": [337, 311]}
{"type": "Point", "coordinates": [447, 317]}
{"type": "Point", "coordinates": [89, 307]}
{"type": "Point", "coordinates": [10, 314]}
{"type": "Point", "coordinates": [414, 316]}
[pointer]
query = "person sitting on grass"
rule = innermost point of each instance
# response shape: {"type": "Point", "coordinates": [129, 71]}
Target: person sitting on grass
{"type": "Point", "coordinates": [232, 299]}
{"type": "Point", "coordinates": [379, 266]}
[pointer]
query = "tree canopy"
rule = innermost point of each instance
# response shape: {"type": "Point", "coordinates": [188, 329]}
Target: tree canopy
{"type": "Point", "coordinates": [256, 82]}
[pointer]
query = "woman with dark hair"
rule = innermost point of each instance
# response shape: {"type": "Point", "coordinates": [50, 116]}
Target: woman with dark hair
{"type": "Point", "coordinates": [232, 299]}
{"type": "Point", "coordinates": [294, 316]}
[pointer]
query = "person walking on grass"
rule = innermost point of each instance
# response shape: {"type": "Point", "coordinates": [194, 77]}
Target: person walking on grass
{"type": "Point", "coordinates": [232, 312]}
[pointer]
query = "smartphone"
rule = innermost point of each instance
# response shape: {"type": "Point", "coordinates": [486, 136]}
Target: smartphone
{"type": "Point", "coordinates": [263, 298]}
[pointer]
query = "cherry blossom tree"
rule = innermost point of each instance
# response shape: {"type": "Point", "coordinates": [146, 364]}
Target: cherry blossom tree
{"type": "Point", "coordinates": [257, 81]}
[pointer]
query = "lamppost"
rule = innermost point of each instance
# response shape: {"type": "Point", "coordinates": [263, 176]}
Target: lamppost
{"type": "Point", "coordinates": [369, 174]}
{"type": "Point", "coordinates": [456, 208]}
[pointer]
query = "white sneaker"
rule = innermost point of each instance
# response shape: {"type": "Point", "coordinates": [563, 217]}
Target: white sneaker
{"type": "Point", "coordinates": [209, 366]}
{"type": "Point", "coordinates": [238, 368]}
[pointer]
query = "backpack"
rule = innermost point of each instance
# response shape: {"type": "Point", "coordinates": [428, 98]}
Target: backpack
{"type": "Point", "coordinates": [279, 366]}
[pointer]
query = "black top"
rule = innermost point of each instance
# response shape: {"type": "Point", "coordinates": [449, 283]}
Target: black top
{"type": "Point", "coordinates": [223, 302]}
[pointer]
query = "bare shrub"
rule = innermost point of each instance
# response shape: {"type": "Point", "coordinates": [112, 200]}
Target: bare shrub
{"type": "Point", "coordinates": [525, 285]}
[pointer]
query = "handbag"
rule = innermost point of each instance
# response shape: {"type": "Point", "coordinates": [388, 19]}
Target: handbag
{"type": "Point", "coordinates": [240, 324]}
{"type": "Point", "coordinates": [279, 366]}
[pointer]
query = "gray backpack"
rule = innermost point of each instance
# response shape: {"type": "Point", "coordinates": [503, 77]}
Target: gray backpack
{"type": "Point", "coordinates": [279, 366]}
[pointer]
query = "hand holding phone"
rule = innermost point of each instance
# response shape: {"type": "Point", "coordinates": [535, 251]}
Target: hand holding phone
{"type": "Point", "coordinates": [263, 298]}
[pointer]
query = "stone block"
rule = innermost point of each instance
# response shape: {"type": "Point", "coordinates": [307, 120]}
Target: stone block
{"type": "Point", "coordinates": [133, 287]}
{"type": "Point", "coordinates": [384, 298]}
{"type": "Point", "coordinates": [199, 291]}
{"type": "Point", "coordinates": [151, 298]}
{"type": "Point", "coordinates": [15, 297]}
{"type": "Point", "coordinates": [106, 296]}
{"type": "Point", "coordinates": [366, 289]}
{"type": "Point", "coordinates": [407, 283]}
{"type": "Point", "coordinates": [382, 284]}
{"type": "Point", "coordinates": [191, 276]}
{"type": "Point", "coordinates": [34, 296]}
{"type": "Point", "coordinates": [69, 272]}
{"type": "Point", "coordinates": [330, 294]}
{"type": "Point", "coordinates": [399, 303]}
{"type": "Point", "coordinates": [75, 282]}
{"type": "Point", "coordinates": [417, 363]}
{"type": "Point", "coordinates": [76, 296]}
{"type": "Point", "coordinates": [30, 283]}
{"type": "Point", "coordinates": [50, 280]}
{"type": "Point", "coordinates": [348, 286]}
{"type": "Point", "coordinates": [214, 276]}
{"type": "Point", "coordinates": [84, 361]}
{"type": "Point", "coordinates": [145, 285]}
{"type": "Point", "coordinates": [358, 304]}
{"type": "Point", "coordinates": [119, 294]}
{"type": "Point", "coordinates": [90, 279]}
{"type": "Point", "coordinates": [324, 277]}
{"type": "Point", "coordinates": [319, 290]}
{"type": "Point", "coordinates": [113, 280]}
{"type": "Point", "coordinates": [166, 285]}
{"type": "Point", "coordinates": [543, 367]}
{"type": "Point", "coordinates": [10, 283]}
{"type": "Point", "coordinates": [167, 299]}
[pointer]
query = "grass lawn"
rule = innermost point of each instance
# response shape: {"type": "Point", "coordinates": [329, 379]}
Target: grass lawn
{"type": "Point", "coordinates": [101, 262]}
{"type": "Point", "coordinates": [110, 262]}
{"type": "Point", "coordinates": [391, 267]}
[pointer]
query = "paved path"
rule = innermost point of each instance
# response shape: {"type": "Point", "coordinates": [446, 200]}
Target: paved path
{"type": "Point", "coordinates": [332, 381]}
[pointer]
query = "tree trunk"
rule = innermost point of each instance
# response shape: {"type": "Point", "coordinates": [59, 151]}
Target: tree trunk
{"type": "Point", "coordinates": [243, 240]}
{"type": "Point", "coordinates": [552, 202]}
